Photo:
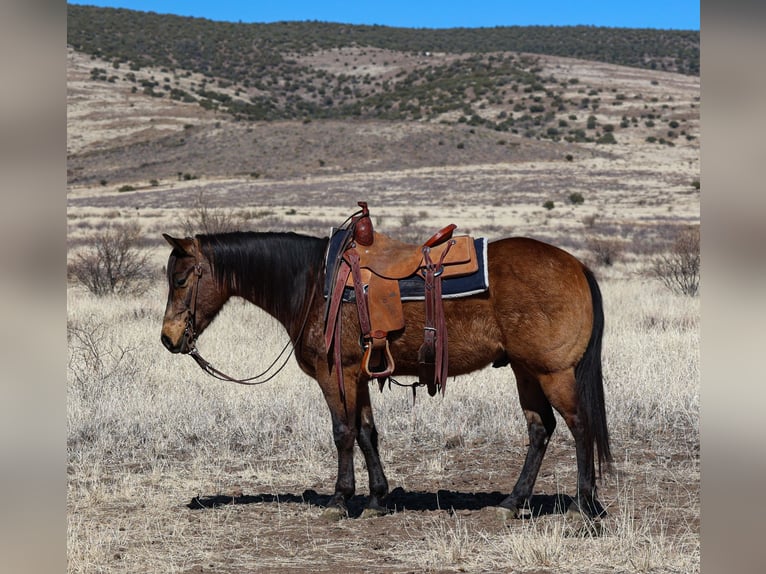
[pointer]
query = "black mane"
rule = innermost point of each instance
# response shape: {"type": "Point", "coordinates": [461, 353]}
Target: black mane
{"type": "Point", "coordinates": [277, 271]}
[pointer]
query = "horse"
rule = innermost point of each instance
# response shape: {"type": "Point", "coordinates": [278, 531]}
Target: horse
{"type": "Point", "coordinates": [542, 315]}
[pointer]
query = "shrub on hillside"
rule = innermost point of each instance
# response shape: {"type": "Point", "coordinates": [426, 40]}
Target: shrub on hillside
{"type": "Point", "coordinates": [576, 198]}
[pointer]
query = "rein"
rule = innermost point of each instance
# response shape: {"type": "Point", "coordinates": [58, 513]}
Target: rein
{"type": "Point", "coordinates": [208, 368]}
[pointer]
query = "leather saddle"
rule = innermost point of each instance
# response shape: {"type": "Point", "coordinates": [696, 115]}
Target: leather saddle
{"type": "Point", "coordinates": [372, 264]}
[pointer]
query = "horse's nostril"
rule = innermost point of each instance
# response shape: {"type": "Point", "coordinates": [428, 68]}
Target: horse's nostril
{"type": "Point", "coordinates": [168, 343]}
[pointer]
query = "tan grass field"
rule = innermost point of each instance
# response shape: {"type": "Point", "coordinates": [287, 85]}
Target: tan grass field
{"type": "Point", "coordinates": [148, 432]}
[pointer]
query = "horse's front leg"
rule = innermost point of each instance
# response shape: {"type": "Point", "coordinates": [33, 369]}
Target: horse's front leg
{"type": "Point", "coordinates": [367, 438]}
{"type": "Point", "coordinates": [345, 485]}
{"type": "Point", "coordinates": [344, 414]}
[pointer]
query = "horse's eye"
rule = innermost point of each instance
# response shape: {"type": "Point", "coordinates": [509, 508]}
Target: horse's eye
{"type": "Point", "coordinates": [179, 281]}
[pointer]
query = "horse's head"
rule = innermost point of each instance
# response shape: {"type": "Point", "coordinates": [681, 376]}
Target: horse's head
{"type": "Point", "coordinates": [194, 298]}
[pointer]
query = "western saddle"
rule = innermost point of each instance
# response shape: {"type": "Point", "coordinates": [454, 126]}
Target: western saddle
{"type": "Point", "coordinates": [372, 264]}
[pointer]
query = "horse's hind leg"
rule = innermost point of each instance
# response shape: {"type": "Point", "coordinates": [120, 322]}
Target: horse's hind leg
{"type": "Point", "coordinates": [561, 389]}
{"type": "Point", "coordinates": [367, 438]}
{"type": "Point", "coordinates": [540, 424]}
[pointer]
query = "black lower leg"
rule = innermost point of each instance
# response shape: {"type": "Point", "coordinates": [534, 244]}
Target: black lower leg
{"type": "Point", "coordinates": [345, 483]}
{"type": "Point", "coordinates": [538, 444]}
{"type": "Point", "coordinates": [586, 500]}
{"type": "Point", "coordinates": [368, 443]}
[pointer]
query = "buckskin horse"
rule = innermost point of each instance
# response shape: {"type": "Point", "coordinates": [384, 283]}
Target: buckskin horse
{"type": "Point", "coordinates": [542, 315]}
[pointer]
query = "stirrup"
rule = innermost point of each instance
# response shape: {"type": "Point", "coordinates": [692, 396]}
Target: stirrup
{"type": "Point", "coordinates": [388, 361]}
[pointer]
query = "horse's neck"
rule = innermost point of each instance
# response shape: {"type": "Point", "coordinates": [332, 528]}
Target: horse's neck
{"type": "Point", "coordinates": [281, 283]}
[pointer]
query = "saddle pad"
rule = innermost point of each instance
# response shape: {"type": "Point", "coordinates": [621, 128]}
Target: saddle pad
{"type": "Point", "coordinates": [412, 288]}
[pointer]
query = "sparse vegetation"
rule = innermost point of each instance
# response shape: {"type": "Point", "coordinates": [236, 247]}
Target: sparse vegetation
{"type": "Point", "coordinates": [590, 220]}
{"type": "Point", "coordinates": [113, 263]}
{"type": "Point", "coordinates": [679, 270]}
{"type": "Point", "coordinates": [204, 219]}
{"type": "Point", "coordinates": [605, 251]}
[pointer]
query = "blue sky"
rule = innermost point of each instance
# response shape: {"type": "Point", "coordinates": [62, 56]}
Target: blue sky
{"type": "Point", "coordinates": [673, 14]}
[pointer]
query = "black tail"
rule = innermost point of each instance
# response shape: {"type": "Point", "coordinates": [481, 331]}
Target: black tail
{"type": "Point", "coordinates": [590, 385]}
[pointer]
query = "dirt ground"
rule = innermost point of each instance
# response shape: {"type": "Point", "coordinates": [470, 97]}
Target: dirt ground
{"type": "Point", "coordinates": [250, 526]}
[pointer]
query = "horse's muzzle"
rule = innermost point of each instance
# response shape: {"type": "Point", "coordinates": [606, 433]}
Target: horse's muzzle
{"type": "Point", "coordinates": [184, 345]}
{"type": "Point", "coordinates": [170, 346]}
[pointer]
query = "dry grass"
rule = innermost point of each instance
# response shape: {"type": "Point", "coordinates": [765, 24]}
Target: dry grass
{"type": "Point", "coordinates": [148, 432]}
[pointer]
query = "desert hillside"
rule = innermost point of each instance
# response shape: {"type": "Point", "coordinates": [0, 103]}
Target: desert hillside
{"type": "Point", "coordinates": [625, 139]}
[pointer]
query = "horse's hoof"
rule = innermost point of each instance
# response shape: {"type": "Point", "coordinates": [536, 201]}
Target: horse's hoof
{"type": "Point", "coordinates": [581, 524]}
{"type": "Point", "coordinates": [375, 512]}
{"type": "Point", "coordinates": [508, 513]}
{"type": "Point", "coordinates": [334, 514]}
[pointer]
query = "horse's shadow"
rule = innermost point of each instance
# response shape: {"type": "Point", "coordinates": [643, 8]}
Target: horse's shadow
{"type": "Point", "coordinates": [398, 500]}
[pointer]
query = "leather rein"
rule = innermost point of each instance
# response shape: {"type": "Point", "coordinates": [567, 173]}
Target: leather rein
{"type": "Point", "coordinates": [190, 338]}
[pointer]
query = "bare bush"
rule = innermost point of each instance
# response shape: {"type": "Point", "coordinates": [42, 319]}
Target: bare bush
{"type": "Point", "coordinates": [679, 270]}
{"type": "Point", "coordinates": [113, 263]}
{"type": "Point", "coordinates": [590, 220]}
{"type": "Point", "coordinates": [605, 251]}
{"type": "Point", "coordinates": [97, 362]}
{"type": "Point", "coordinates": [203, 218]}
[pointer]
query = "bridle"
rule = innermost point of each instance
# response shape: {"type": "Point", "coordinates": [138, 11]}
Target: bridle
{"type": "Point", "coordinates": [190, 334]}
{"type": "Point", "coordinates": [190, 339]}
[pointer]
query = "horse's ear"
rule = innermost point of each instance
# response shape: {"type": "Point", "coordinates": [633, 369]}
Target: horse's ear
{"type": "Point", "coordinates": [185, 245]}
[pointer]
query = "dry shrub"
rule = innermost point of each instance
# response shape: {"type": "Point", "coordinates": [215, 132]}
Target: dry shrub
{"type": "Point", "coordinates": [113, 263]}
{"type": "Point", "coordinates": [204, 219]}
{"type": "Point", "coordinates": [605, 251]}
{"type": "Point", "coordinates": [590, 220]}
{"type": "Point", "coordinates": [679, 270]}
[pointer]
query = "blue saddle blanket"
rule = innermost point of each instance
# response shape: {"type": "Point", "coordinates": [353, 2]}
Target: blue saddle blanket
{"type": "Point", "coordinates": [412, 288]}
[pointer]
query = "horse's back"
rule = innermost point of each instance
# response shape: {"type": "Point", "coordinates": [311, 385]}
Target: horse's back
{"type": "Point", "coordinates": [525, 253]}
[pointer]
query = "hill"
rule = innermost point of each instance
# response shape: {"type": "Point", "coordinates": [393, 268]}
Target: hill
{"type": "Point", "coordinates": [244, 51]}
{"type": "Point", "coordinates": [329, 125]}
{"type": "Point", "coordinates": [466, 99]}
{"type": "Point", "coordinates": [375, 72]}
